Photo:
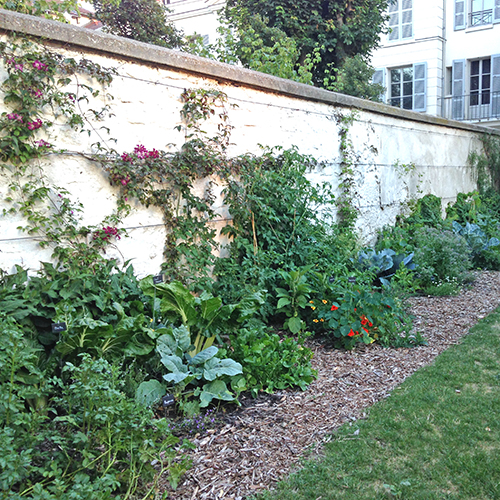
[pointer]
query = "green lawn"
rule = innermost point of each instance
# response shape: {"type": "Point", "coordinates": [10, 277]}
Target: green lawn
{"type": "Point", "coordinates": [437, 436]}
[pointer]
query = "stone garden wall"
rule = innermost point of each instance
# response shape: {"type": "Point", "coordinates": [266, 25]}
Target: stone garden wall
{"type": "Point", "coordinates": [144, 100]}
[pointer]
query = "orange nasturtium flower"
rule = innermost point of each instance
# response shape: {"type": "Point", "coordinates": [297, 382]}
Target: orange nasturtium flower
{"type": "Point", "coordinates": [351, 333]}
{"type": "Point", "coordinates": [324, 301]}
{"type": "Point", "coordinates": [334, 307]}
{"type": "Point", "coordinates": [315, 320]}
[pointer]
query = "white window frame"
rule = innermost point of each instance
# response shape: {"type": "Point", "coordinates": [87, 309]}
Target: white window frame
{"type": "Point", "coordinates": [400, 20]}
{"type": "Point", "coordinates": [465, 17]}
{"type": "Point", "coordinates": [419, 87]}
{"type": "Point", "coordinates": [461, 77]}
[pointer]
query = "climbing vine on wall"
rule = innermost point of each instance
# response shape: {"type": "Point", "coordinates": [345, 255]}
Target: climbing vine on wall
{"type": "Point", "coordinates": [166, 179]}
{"type": "Point", "coordinates": [346, 211]}
{"type": "Point", "coordinates": [36, 94]}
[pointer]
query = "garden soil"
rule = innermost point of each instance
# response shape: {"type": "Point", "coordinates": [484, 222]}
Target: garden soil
{"type": "Point", "coordinates": [265, 439]}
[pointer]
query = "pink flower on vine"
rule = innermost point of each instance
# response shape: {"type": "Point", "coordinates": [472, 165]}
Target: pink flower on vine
{"type": "Point", "coordinates": [43, 144]}
{"type": "Point", "coordinates": [37, 93]}
{"type": "Point", "coordinates": [40, 66]}
{"type": "Point", "coordinates": [141, 151]}
{"type": "Point", "coordinates": [15, 117]}
{"type": "Point", "coordinates": [126, 157]}
{"type": "Point", "coordinates": [154, 154]}
{"type": "Point", "coordinates": [34, 125]}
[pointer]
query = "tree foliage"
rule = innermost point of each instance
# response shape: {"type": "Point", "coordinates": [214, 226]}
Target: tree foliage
{"type": "Point", "coordinates": [326, 35]}
{"type": "Point", "coordinates": [49, 9]}
{"type": "Point", "coordinates": [141, 20]}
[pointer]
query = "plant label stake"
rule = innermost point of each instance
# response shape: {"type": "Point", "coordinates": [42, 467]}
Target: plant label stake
{"type": "Point", "coordinates": [166, 401]}
{"type": "Point", "coordinates": [157, 279]}
{"type": "Point", "coordinates": [58, 327]}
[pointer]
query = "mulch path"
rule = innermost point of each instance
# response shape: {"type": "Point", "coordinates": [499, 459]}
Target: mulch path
{"type": "Point", "coordinates": [264, 440]}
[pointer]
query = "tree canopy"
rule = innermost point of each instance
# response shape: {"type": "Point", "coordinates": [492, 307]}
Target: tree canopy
{"type": "Point", "coordinates": [327, 34]}
{"type": "Point", "coordinates": [141, 20]}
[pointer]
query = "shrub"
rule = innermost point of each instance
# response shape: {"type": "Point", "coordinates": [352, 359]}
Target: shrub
{"type": "Point", "coordinates": [78, 436]}
{"type": "Point", "coordinates": [281, 222]}
{"type": "Point", "coordinates": [441, 255]}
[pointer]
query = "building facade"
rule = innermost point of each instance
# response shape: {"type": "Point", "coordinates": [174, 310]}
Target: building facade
{"type": "Point", "coordinates": [443, 58]}
{"type": "Point", "coordinates": [199, 17]}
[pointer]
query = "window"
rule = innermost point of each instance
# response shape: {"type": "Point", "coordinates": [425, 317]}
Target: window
{"type": "Point", "coordinates": [402, 88]}
{"type": "Point", "coordinates": [400, 19]}
{"type": "Point", "coordinates": [473, 13]}
{"type": "Point", "coordinates": [480, 82]}
{"type": "Point", "coordinates": [481, 12]}
{"type": "Point", "coordinates": [476, 88]}
{"type": "Point", "coordinates": [407, 87]}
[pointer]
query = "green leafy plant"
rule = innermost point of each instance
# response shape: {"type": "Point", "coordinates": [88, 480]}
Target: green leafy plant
{"type": "Point", "coordinates": [385, 263]}
{"type": "Point", "coordinates": [295, 298]}
{"type": "Point", "coordinates": [276, 226]}
{"type": "Point", "coordinates": [441, 255]}
{"type": "Point", "coordinates": [271, 362]}
{"type": "Point", "coordinates": [476, 238]}
{"type": "Point", "coordinates": [186, 348]}
{"type": "Point", "coordinates": [204, 369]}
{"type": "Point", "coordinates": [88, 439]}
{"type": "Point", "coordinates": [350, 311]}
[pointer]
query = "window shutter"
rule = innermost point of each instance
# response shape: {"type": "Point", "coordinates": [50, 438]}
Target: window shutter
{"type": "Point", "coordinates": [407, 19]}
{"type": "Point", "coordinates": [379, 79]}
{"type": "Point", "coordinates": [495, 86]}
{"type": "Point", "coordinates": [460, 14]}
{"type": "Point", "coordinates": [394, 20]}
{"type": "Point", "coordinates": [496, 12]}
{"type": "Point", "coordinates": [420, 87]}
{"type": "Point", "coordinates": [458, 89]}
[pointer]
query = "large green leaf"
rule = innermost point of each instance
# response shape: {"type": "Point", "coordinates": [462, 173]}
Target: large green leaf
{"type": "Point", "coordinates": [150, 392]}
{"type": "Point", "coordinates": [176, 342]}
{"type": "Point", "coordinates": [216, 367]}
{"type": "Point", "coordinates": [178, 370]}
{"type": "Point", "coordinates": [294, 324]}
{"type": "Point", "coordinates": [204, 355]}
{"type": "Point", "coordinates": [209, 306]}
{"type": "Point", "coordinates": [215, 390]}
{"type": "Point", "coordinates": [176, 301]}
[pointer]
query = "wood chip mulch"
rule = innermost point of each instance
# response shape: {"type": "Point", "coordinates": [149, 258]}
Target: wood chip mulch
{"type": "Point", "coordinates": [264, 440]}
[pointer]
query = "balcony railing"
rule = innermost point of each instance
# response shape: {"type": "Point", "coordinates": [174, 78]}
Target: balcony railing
{"type": "Point", "coordinates": [480, 106]}
{"type": "Point", "coordinates": [480, 18]}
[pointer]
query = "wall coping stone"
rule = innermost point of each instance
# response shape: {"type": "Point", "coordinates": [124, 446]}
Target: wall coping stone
{"type": "Point", "coordinates": [76, 36]}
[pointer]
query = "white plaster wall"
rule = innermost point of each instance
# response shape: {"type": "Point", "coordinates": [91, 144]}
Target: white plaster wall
{"type": "Point", "coordinates": [145, 110]}
{"type": "Point", "coordinates": [471, 43]}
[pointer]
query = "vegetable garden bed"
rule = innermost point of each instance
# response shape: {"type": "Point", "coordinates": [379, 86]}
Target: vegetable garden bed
{"type": "Point", "coordinates": [266, 438]}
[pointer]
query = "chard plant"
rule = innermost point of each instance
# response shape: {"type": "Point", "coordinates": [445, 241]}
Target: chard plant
{"type": "Point", "coordinates": [194, 366]}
